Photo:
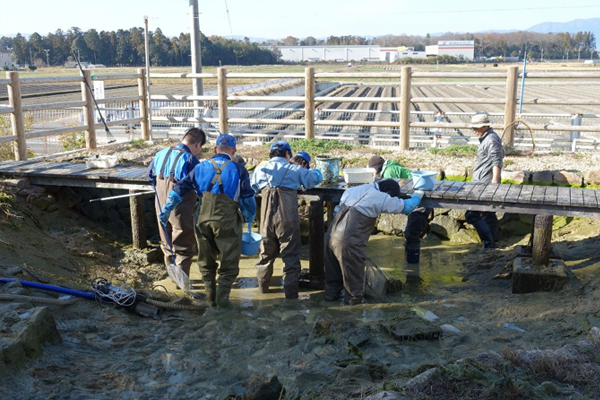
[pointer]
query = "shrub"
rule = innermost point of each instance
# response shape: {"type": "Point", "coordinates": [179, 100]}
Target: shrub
{"type": "Point", "coordinates": [455, 150]}
{"type": "Point", "coordinates": [72, 141]}
{"type": "Point", "coordinates": [7, 149]}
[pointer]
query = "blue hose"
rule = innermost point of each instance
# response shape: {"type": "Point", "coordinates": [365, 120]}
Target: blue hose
{"type": "Point", "coordinates": [58, 289]}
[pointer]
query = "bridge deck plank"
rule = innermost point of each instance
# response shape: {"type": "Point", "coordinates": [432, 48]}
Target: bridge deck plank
{"type": "Point", "coordinates": [477, 191]}
{"type": "Point", "coordinates": [551, 195]}
{"type": "Point", "coordinates": [537, 197]}
{"type": "Point", "coordinates": [500, 195]}
{"type": "Point", "coordinates": [463, 192]}
{"type": "Point", "coordinates": [488, 193]}
{"type": "Point", "coordinates": [514, 192]}
{"type": "Point", "coordinates": [525, 195]}
{"type": "Point", "coordinates": [564, 197]}
{"type": "Point", "coordinates": [577, 197]}
{"type": "Point", "coordinates": [450, 193]}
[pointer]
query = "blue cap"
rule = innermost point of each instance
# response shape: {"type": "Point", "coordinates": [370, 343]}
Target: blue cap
{"type": "Point", "coordinates": [226, 140]}
{"type": "Point", "coordinates": [304, 155]}
{"type": "Point", "coordinates": [281, 145]}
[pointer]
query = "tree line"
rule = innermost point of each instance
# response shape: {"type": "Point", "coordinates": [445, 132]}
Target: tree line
{"type": "Point", "coordinates": [547, 46]}
{"type": "Point", "coordinates": [127, 48]}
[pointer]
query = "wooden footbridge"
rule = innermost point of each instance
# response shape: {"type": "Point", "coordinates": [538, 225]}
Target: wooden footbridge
{"type": "Point", "coordinates": [509, 198]}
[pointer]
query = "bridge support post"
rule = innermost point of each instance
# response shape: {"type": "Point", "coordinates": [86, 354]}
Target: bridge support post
{"type": "Point", "coordinates": [144, 114]}
{"type": "Point", "coordinates": [510, 106]}
{"type": "Point", "coordinates": [405, 109]}
{"type": "Point", "coordinates": [222, 82]}
{"type": "Point", "coordinates": [542, 240]}
{"type": "Point", "coordinates": [309, 103]}
{"type": "Point", "coordinates": [539, 272]}
{"type": "Point", "coordinates": [315, 279]}
{"type": "Point", "coordinates": [138, 221]}
{"type": "Point", "coordinates": [16, 117]}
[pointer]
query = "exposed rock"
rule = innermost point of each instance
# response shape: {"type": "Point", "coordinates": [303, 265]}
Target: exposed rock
{"type": "Point", "coordinates": [358, 336]}
{"type": "Point", "coordinates": [386, 395]}
{"type": "Point", "coordinates": [376, 368]}
{"type": "Point", "coordinates": [421, 381]}
{"type": "Point", "coordinates": [391, 224]}
{"type": "Point", "coordinates": [67, 197]}
{"type": "Point", "coordinates": [14, 185]}
{"type": "Point", "coordinates": [514, 228]}
{"type": "Point", "coordinates": [455, 174]}
{"type": "Point", "coordinates": [354, 372]}
{"type": "Point", "coordinates": [518, 177]}
{"type": "Point", "coordinates": [260, 388]}
{"type": "Point", "coordinates": [458, 214]}
{"type": "Point", "coordinates": [591, 178]}
{"type": "Point", "coordinates": [568, 178]}
{"type": "Point", "coordinates": [542, 178]}
{"type": "Point", "coordinates": [444, 226]}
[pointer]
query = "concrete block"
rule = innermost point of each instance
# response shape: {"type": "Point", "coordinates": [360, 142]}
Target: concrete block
{"type": "Point", "coordinates": [528, 279]}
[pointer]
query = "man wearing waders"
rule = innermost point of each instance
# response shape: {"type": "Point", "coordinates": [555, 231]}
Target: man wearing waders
{"type": "Point", "coordinates": [225, 189]}
{"type": "Point", "coordinates": [278, 181]}
{"type": "Point", "coordinates": [169, 166]}
{"type": "Point", "coordinates": [348, 234]}
{"type": "Point", "coordinates": [417, 220]}
{"type": "Point", "coordinates": [488, 168]}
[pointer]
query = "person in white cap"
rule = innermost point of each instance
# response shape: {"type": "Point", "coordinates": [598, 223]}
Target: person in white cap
{"type": "Point", "coordinates": [278, 181]}
{"type": "Point", "coordinates": [488, 167]}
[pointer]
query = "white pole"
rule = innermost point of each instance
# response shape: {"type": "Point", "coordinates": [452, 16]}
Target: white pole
{"type": "Point", "coordinates": [196, 57]}
{"type": "Point", "coordinates": [147, 51]}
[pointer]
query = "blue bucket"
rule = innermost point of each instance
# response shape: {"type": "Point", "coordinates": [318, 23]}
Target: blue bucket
{"type": "Point", "coordinates": [330, 168]}
{"type": "Point", "coordinates": [423, 180]}
{"type": "Point", "coordinates": [250, 243]}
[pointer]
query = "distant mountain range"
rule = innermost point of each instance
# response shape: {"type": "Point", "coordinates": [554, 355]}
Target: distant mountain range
{"type": "Point", "coordinates": [578, 25]}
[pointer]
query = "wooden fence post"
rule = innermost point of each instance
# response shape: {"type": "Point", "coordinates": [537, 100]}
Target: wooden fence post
{"type": "Point", "coordinates": [405, 109]}
{"type": "Point", "coordinates": [309, 103]}
{"type": "Point", "coordinates": [222, 82]}
{"type": "Point", "coordinates": [510, 105]}
{"type": "Point", "coordinates": [542, 240]}
{"type": "Point", "coordinates": [316, 263]}
{"type": "Point", "coordinates": [16, 117]}
{"type": "Point", "coordinates": [143, 92]}
{"type": "Point", "coordinates": [88, 111]}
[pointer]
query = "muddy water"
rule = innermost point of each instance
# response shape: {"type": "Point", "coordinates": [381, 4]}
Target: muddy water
{"type": "Point", "coordinates": [108, 353]}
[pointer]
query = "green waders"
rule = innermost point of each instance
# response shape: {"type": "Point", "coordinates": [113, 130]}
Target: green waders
{"type": "Point", "coordinates": [219, 234]}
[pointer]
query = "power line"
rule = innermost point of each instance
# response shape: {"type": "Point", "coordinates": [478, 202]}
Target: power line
{"type": "Point", "coordinates": [231, 31]}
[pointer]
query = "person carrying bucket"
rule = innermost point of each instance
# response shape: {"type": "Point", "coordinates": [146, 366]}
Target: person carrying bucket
{"type": "Point", "coordinates": [169, 166]}
{"type": "Point", "coordinates": [225, 189]}
{"type": "Point", "coordinates": [416, 223]}
{"type": "Point", "coordinates": [278, 181]}
{"type": "Point", "coordinates": [348, 234]}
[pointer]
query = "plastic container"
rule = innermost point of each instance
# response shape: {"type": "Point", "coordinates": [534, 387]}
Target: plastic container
{"type": "Point", "coordinates": [101, 161]}
{"type": "Point", "coordinates": [358, 175]}
{"type": "Point", "coordinates": [423, 180]}
{"type": "Point", "coordinates": [250, 242]}
{"type": "Point", "coordinates": [330, 168]}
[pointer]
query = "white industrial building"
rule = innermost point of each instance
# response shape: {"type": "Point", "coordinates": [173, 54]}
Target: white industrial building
{"type": "Point", "coordinates": [5, 60]}
{"type": "Point", "coordinates": [391, 54]}
{"type": "Point", "coordinates": [457, 48]}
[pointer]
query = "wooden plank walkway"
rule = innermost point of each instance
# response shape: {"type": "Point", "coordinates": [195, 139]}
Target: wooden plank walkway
{"type": "Point", "coordinates": [518, 199]}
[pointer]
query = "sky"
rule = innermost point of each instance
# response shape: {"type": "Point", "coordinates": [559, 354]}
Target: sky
{"type": "Point", "coordinates": [276, 19]}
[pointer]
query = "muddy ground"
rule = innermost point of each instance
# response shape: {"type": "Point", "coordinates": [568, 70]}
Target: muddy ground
{"type": "Point", "coordinates": [482, 345]}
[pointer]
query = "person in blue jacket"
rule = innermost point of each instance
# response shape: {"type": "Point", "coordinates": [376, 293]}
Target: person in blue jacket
{"type": "Point", "coordinates": [348, 234]}
{"type": "Point", "coordinates": [278, 181]}
{"type": "Point", "coordinates": [227, 199]}
{"type": "Point", "coordinates": [169, 166]}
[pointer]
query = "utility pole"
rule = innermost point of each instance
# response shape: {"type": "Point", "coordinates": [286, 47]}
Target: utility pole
{"type": "Point", "coordinates": [47, 57]}
{"type": "Point", "coordinates": [147, 51]}
{"type": "Point", "coordinates": [196, 57]}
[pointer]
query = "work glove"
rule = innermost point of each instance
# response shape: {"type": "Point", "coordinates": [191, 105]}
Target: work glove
{"type": "Point", "coordinates": [173, 201]}
{"type": "Point", "coordinates": [319, 174]}
{"type": "Point", "coordinates": [413, 202]}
